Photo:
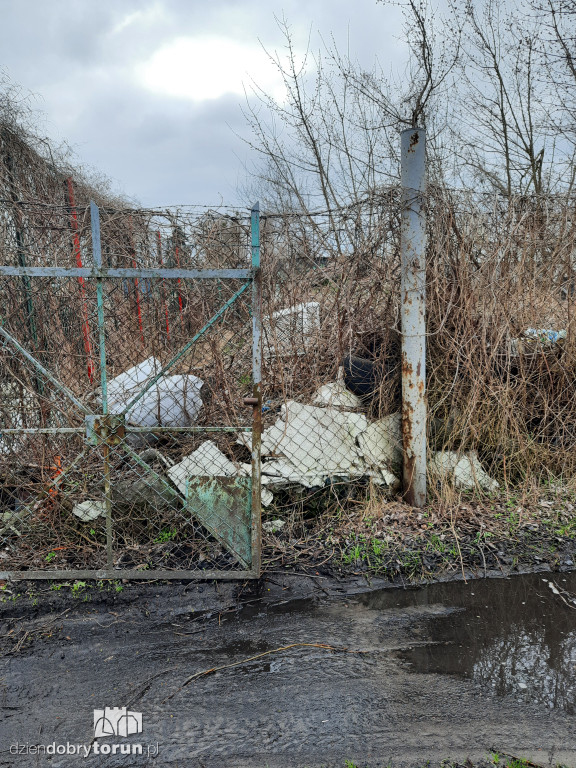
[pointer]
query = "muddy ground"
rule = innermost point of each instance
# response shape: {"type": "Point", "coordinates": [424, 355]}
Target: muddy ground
{"type": "Point", "coordinates": [374, 676]}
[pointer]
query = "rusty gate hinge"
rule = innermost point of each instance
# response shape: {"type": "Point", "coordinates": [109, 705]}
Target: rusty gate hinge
{"type": "Point", "coordinates": [105, 429]}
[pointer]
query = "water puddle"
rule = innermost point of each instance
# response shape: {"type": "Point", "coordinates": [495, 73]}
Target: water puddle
{"type": "Point", "coordinates": [512, 635]}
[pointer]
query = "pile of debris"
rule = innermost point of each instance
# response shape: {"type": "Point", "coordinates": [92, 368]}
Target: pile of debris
{"type": "Point", "coordinates": [309, 445]}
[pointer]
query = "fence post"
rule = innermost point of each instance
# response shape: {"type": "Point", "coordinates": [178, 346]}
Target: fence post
{"type": "Point", "coordinates": [413, 308]}
{"type": "Point", "coordinates": [97, 257]}
{"type": "Point", "coordinates": [257, 383]}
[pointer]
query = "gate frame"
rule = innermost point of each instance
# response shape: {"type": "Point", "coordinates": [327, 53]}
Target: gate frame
{"type": "Point", "coordinates": [98, 273]}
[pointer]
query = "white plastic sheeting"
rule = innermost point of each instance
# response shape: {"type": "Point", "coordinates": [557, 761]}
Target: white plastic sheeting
{"type": "Point", "coordinates": [174, 401]}
{"type": "Point", "coordinates": [290, 330]}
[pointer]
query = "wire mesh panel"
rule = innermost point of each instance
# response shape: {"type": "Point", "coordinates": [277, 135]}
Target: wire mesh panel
{"type": "Point", "coordinates": [129, 394]}
{"type": "Point", "coordinates": [501, 354]}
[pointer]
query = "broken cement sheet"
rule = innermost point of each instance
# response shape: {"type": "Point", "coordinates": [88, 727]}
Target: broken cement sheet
{"type": "Point", "coordinates": [174, 401]}
{"type": "Point", "coordinates": [312, 444]}
{"type": "Point", "coordinates": [89, 510]}
{"type": "Point", "coordinates": [208, 460]}
{"type": "Point", "coordinates": [313, 438]}
{"type": "Point", "coordinates": [336, 395]}
{"type": "Point", "coordinates": [381, 442]}
{"type": "Point", "coordinates": [464, 470]}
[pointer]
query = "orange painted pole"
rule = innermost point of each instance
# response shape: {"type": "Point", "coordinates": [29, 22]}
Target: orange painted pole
{"type": "Point", "coordinates": [136, 285]}
{"type": "Point", "coordinates": [162, 287]}
{"type": "Point", "coordinates": [78, 257]}
{"type": "Point", "coordinates": [180, 304]}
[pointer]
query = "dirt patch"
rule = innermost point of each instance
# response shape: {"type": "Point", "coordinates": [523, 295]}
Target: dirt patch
{"type": "Point", "coordinates": [394, 541]}
{"type": "Point", "coordinates": [288, 671]}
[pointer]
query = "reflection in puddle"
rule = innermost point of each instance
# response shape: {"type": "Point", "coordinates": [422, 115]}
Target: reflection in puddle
{"type": "Point", "coordinates": [513, 635]}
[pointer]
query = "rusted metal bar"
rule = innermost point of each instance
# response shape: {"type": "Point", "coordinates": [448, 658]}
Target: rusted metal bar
{"type": "Point", "coordinates": [129, 428]}
{"type": "Point", "coordinates": [413, 308]}
{"type": "Point", "coordinates": [256, 390]}
{"type": "Point", "coordinates": [97, 257]}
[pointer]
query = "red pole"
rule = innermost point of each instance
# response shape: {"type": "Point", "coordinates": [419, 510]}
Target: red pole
{"type": "Point", "coordinates": [78, 256]}
{"type": "Point", "coordinates": [179, 282]}
{"type": "Point", "coordinates": [162, 287]}
{"type": "Point", "coordinates": [136, 285]}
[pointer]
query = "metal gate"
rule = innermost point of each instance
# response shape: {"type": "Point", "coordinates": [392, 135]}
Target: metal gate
{"type": "Point", "coordinates": [130, 403]}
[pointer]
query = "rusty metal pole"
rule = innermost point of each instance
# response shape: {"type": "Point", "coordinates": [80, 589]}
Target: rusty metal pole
{"type": "Point", "coordinates": [413, 245]}
{"type": "Point", "coordinates": [257, 389]}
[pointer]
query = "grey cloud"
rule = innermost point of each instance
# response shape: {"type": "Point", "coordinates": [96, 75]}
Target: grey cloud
{"type": "Point", "coordinates": [161, 150]}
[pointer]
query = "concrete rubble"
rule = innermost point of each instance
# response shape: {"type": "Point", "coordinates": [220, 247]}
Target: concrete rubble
{"type": "Point", "coordinates": [309, 445]}
{"type": "Point", "coordinates": [208, 460]}
{"type": "Point", "coordinates": [464, 470]}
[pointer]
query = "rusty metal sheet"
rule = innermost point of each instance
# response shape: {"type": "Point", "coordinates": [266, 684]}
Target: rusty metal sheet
{"type": "Point", "coordinates": [223, 506]}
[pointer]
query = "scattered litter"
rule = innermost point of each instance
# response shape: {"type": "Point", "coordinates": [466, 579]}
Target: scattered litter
{"type": "Point", "coordinates": [545, 335]}
{"type": "Point", "coordinates": [537, 338]}
{"type": "Point", "coordinates": [89, 510]}
{"type": "Point", "coordinates": [465, 470]}
{"type": "Point", "coordinates": [174, 401]}
{"type": "Point", "coordinates": [290, 330]}
{"type": "Point", "coordinates": [273, 526]}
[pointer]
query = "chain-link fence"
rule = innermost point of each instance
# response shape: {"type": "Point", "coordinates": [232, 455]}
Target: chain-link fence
{"type": "Point", "coordinates": [501, 354]}
{"type": "Point", "coordinates": [165, 478]}
{"type": "Point", "coordinates": [129, 345]}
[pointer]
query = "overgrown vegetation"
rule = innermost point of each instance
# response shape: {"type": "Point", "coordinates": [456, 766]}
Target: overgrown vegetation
{"type": "Point", "coordinates": [501, 245]}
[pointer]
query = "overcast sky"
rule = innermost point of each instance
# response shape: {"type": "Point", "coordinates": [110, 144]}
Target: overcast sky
{"type": "Point", "coordinates": [150, 92]}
